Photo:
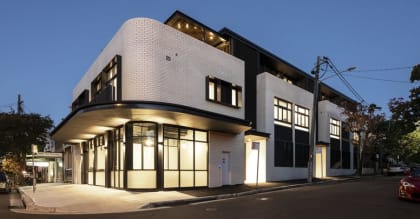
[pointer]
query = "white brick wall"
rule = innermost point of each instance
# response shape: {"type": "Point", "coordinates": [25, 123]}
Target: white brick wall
{"type": "Point", "coordinates": [144, 45]}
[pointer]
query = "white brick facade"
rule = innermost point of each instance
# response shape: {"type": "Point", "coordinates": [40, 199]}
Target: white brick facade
{"type": "Point", "coordinates": [162, 64]}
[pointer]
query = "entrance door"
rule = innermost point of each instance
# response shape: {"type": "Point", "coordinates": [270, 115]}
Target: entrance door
{"type": "Point", "coordinates": [225, 167]}
{"type": "Point", "coordinates": [320, 162]}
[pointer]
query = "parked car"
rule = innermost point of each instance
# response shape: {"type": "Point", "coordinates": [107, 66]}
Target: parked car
{"type": "Point", "coordinates": [5, 183]}
{"type": "Point", "coordinates": [394, 170]}
{"type": "Point", "coordinates": [410, 185]}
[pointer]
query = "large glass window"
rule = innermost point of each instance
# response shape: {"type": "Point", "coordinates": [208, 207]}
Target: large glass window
{"type": "Point", "coordinates": [100, 160]}
{"type": "Point", "coordinates": [117, 156]}
{"type": "Point", "coordinates": [335, 155]}
{"type": "Point", "coordinates": [144, 144]}
{"type": "Point", "coordinates": [223, 92]}
{"type": "Point", "coordinates": [345, 154]}
{"type": "Point", "coordinates": [301, 148]}
{"type": "Point", "coordinates": [345, 146]}
{"type": "Point", "coordinates": [91, 170]}
{"type": "Point", "coordinates": [283, 148]}
{"type": "Point", "coordinates": [185, 157]}
{"type": "Point", "coordinates": [282, 112]}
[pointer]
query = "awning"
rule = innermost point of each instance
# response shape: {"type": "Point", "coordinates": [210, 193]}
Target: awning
{"type": "Point", "coordinates": [90, 120]}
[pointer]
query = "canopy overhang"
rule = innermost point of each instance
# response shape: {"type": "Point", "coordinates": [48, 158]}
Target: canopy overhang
{"type": "Point", "coordinates": [90, 120]}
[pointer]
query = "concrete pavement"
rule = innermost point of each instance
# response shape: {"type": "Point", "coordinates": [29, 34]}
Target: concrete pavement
{"type": "Point", "coordinates": [61, 198]}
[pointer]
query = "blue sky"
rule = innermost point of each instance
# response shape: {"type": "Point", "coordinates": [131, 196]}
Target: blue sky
{"type": "Point", "coordinates": [46, 46]}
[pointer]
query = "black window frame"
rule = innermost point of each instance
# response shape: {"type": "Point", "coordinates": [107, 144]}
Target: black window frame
{"type": "Point", "coordinates": [335, 127]}
{"type": "Point", "coordinates": [283, 111]}
{"type": "Point", "coordinates": [101, 88]}
{"type": "Point", "coordinates": [141, 137]}
{"type": "Point", "coordinates": [335, 154]}
{"type": "Point", "coordinates": [301, 148]}
{"type": "Point", "coordinates": [283, 146]}
{"type": "Point", "coordinates": [222, 92]}
{"type": "Point", "coordinates": [301, 118]}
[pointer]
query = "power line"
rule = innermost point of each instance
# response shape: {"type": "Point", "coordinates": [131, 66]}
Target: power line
{"type": "Point", "coordinates": [346, 83]}
{"type": "Point", "coordinates": [385, 69]}
{"type": "Point", "coordinates": [378, 79]}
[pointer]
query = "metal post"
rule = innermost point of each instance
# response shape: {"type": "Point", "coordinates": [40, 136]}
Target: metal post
{"type": "Point", "coordinates": [34, 151]}
{"type": "Point", "coordinates": [33, 174]}
{"type": "Point", "coordinates": [258, 164]}
{"type": "Point", "coordinates": [313, 121]}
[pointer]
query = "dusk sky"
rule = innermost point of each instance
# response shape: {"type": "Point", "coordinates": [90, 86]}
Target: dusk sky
{"type": "Point", "coordinates": [46, 46]}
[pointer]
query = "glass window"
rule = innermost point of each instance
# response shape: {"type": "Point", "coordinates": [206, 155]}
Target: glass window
{"type": "Point", "coordinates": [201, 136]}
{"type": "Point", "coordinates": [200, 156]}
{"type": "Point", "coordinates": [100, 164]}
{"type": "Point", "coordinates": [144, 146]}
{"type": "Point", "coordinates": [334, 127]}
{"type": "Point", "coordinates": [170, 154]}
{"type": "Point", "coordinates": [105, 87]}
{"type": "Point", "coordinates": [187, 134]}
{"type": "Point", "coordinates": [185, 157]}
{"type": "Point", "coordinates": [223, 92]}
{"type": "Point", "coordinates": [137, 155]}
{"type": "Point", "coordinates": [301, 117]}
{"type": "Point", "coordinates": [283, 146]}
{"type": "Point", "coordinates": [335, 153]}
{"type": "Point", "coordinates": [282, 111]}
{"type": "Point", "coordinates": [211, 90]}
{"type": "Point", "coordinates": [234, 103]}
{"type": "Point", "coordinates": [91, 155]}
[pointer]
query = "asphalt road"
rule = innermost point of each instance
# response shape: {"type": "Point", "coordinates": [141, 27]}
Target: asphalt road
{"type": "Point", "coordinates": [371, 197]}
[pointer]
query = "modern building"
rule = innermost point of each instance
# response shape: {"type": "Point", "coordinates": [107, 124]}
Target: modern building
{"type": "Point", "coordinates": [178, 104]}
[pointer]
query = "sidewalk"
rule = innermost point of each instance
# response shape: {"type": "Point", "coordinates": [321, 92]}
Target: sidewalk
{"type": "Point", "coordinates": [86, 199]}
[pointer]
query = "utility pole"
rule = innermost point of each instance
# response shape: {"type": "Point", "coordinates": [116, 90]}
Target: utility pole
{"type": "Point", "coordinates": [19, 105]}
{"type": "Point", "coordinates": [312, 135]}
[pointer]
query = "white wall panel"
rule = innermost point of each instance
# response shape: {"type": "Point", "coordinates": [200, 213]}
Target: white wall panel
{"type": "Point", "coordinates": [268, 87]}
{"type": "Point", "coordinates": [226, 143]}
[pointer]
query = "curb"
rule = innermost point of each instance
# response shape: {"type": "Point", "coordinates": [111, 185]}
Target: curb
{"type": "Point", "coordinates": [238, 194]}
{"type": "Point", "coordinates": [15, 201]}
{"type": "Point", "coordinates": [30, 205]}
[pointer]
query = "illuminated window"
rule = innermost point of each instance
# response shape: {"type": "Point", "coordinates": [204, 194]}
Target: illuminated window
{"type": "Point", "coordinates": [223, 92]}
{"type": "Point", "coordinates": [144, 144]}
{"type": "Point", "coordinates": [105, 86]}
{"type": "Point", "coordinates": [185, 157]}
{"type": "Point", "coordinates": [282, 112]}
{"type": "Point", "coordinates": [301, 117]}
{"type": "Point", "coordinates": [334, 128]}
{"type": "Point", "coordinates": [211, 90]}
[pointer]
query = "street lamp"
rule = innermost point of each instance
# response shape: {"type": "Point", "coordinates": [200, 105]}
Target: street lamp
{"type": "Point", "coordinates": [314, 121]}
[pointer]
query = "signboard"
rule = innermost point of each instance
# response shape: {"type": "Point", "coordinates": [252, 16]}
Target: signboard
{"type": "Point", "coordinates": [255, 146]}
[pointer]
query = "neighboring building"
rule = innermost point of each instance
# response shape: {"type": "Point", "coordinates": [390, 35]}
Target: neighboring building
{"type": "Point", "coordinates": [179, 105]}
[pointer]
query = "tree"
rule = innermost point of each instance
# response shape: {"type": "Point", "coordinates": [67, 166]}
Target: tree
{"type": "Point", "coordinates": [402, 135]}
{"type": "Point", "coordinates": [406, 112]}
{"type": "Point", "coordinates": [19, 131]}
{"type": "Point", "coordinates": [415, 73]}
{"type": "Point", "coordinates": [362, 120]}
{"type": "Point", "coordinates": [12, 165]}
